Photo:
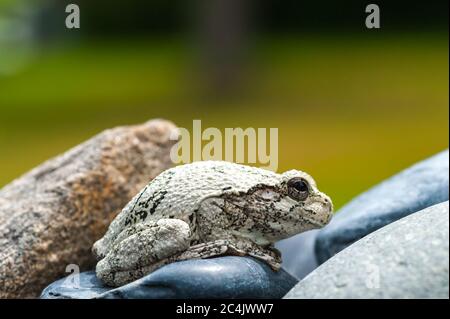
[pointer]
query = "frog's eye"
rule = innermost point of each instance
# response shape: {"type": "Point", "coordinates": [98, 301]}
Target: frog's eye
{"type": "Point", "coordinates": [298, 188]}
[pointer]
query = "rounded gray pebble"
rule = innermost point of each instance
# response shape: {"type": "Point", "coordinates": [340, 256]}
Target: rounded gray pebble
{"type": "Point", "coordinates": [406, 259]}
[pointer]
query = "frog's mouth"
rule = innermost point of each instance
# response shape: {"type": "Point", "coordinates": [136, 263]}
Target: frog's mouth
{"type": "Point", "coordinates": [314, 223]}
{"type": "Point", "coordinates": [322, 212]}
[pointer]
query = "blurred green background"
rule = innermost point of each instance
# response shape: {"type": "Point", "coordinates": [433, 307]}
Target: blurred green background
{"type": "Point", "coordinates": [353, 105]}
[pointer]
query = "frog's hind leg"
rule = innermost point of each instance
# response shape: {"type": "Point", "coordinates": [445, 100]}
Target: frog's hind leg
{"type": "Point", "coordinates": [142, 248]}
{"type": "Point", "coordinates": [208, 250]}
{"type": "Point", "coordinates": [243, 247]}
{"type": "Point", "coordinates": [270, 255]}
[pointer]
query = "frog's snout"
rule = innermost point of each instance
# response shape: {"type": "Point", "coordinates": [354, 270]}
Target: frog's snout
{"type": "Point", "coordinates": [329, 208]}
{"type": "Point", "coordinates": [323, 209]}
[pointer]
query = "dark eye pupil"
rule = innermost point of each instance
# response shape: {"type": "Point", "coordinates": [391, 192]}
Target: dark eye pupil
{"type": "Point", "coordinates": [301, 186]}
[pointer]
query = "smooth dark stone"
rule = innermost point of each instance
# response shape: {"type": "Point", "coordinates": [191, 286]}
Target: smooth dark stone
{"type": "Point", "coordinates": [222, 277]}
{"type": "Point", "coordinates": [406, 259]}
{"type": "Point", "coordinates": [88, 287]}
{"type": "Point", "coordinates": [418, 187]}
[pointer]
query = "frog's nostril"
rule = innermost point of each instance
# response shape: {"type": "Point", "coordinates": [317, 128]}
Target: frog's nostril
{"type": "Point", "coordinates": [328, 203]}
{"type": "Point", "coordinates": [328, 217]}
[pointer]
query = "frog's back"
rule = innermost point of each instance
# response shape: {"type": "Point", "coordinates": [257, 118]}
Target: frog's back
{"type": "Point", "coordinates": [180, 190]}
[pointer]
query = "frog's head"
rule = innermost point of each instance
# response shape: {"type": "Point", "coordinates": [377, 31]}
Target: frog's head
{"type": "Point", "coordinates": [292, 206]}
{"type": "Point", "coordinates": [304, 199]}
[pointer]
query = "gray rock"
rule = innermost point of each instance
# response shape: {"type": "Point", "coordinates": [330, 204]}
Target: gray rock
{"type": "Point", "coordinates": [406, 259]}
{"type": "Point", "coordinates": [222, 277]}
{"type": "Point", "coordinates": [299, 258]}
{"type": "Point", "coordinates": [418, 187]}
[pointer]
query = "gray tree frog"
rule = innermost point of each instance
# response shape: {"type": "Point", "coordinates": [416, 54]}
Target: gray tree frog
{"type": "Point", "coordinates": [206, 209]}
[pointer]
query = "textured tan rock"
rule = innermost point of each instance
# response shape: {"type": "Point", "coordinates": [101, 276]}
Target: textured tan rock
{"type": "Point", "coordinates": [51, 216]}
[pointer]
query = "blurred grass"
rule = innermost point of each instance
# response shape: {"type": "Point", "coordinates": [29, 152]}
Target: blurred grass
{"type": "Point", "coordinates": [350, 111]}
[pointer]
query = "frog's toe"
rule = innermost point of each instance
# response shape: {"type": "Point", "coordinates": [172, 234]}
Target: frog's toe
{"type": "Point", "coordinates": [104, 273]}
{"type": "Point", "coordinates": [98, 249]}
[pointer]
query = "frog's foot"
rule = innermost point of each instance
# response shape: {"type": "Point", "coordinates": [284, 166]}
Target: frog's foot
{"type": "Point", "coordinates": [142, 249]}
{"type": "Point", "coordinates": [269, 255]}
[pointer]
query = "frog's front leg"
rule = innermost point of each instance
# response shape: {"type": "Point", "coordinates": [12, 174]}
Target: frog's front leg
{"type": "Point", "coordinates": [270, 255]}
{"type": "Point", "coordinates": [142, 248]}
{"type": "Point", "coordinates": [218, 211]}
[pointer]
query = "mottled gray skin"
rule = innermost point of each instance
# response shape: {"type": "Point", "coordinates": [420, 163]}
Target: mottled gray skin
{"type": "Point", "coordinates": [207, 209]}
